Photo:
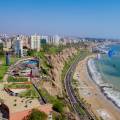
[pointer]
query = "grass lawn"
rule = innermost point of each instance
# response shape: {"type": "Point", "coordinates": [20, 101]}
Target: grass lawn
{"type": "Point", "coordinates": [17, 79]}
{"type": "Point", "coordinates": [4, 67]}
{"type": "Point", "coordinates": [51, 99]}
{"type": "Point", "coordinates": [30, 93]}
{"type": "Point", "coordinates": [18, 86]}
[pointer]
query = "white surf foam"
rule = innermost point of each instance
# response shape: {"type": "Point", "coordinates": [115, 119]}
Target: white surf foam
{"type": "Point", "coordinates": [114, 95]}
{"type": "Point", "coordinates": [94, 73]}
{"type": "Point", "coordinates": [107, 88]}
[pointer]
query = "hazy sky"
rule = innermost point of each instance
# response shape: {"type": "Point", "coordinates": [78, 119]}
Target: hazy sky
{"type": "Point", "coordinates": [90, 18]}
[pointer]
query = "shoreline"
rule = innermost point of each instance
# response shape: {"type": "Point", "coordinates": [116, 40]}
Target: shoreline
{"type": "Point", "coordinates": [100, 87]}
{"type": "Point", "coordinates": [93, 94]}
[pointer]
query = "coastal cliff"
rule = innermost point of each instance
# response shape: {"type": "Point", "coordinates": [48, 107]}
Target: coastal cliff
{"type": "Point", "coordinates": [57, 61]}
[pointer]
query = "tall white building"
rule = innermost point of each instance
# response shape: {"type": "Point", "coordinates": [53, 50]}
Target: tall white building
{"type": "Point", "coordinates": [35, 42]}
{"type": "Point", "coordinates": [19, 47]}
{"type": "Point", "coordinates": [56, 39]}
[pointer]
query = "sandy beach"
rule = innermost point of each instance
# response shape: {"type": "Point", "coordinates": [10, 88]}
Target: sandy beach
{"type": "Point", "coordinates": [100, 105]}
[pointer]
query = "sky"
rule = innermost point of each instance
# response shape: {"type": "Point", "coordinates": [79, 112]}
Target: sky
{"type": "Point", "coordinates": [83, 18]}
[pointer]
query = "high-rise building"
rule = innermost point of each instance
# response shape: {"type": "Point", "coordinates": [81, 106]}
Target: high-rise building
{"type": "Point", "coordinates": [35, 42]}
{"type": "Point", "coordinates": [56, 39]}
{"type": "Point", "coordinates": [25, 41]}
{"type": "Point", "coordinates": [19, 47]}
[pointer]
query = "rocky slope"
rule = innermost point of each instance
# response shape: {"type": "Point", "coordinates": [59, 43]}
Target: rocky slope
{"type": "Point", "coordinates": [57, 61]}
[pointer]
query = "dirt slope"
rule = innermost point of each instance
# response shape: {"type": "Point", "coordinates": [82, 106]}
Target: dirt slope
{"type": "Point", "coordinates": [57, 61]}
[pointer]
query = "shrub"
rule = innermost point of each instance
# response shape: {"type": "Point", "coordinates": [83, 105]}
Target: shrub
{"type": "Point", "coordinates": [35, 114]}
{"type": "Point", "coordinates": [58, 106]}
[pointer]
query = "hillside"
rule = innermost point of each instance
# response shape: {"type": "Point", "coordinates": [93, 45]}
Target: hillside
{"type": "Point", "coordinates": [57, 61]}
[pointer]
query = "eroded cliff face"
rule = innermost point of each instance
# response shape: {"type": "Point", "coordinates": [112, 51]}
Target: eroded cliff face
{"type": "Point", "coordinates": [57, 61]}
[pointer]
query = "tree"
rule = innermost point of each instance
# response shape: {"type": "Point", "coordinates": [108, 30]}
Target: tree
{"type": "Point", "coordinates": [58, 106]}
{"type": "Point", "coordinates": [31, 52]}
{"type": "Point", "coordinates": [1, 49]}
{"type": "Point", "coordinates": [36, 114]}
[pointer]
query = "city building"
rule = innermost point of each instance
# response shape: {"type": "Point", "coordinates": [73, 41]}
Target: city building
{"type": "Point", "coordinates": [53, 40]}
{"type": "Point", "coordinates": [7, 43]}
{"type": "Point", "coordinates": [25, 41]}
{"type": "Point", "coordinates": [56, 39]}
{"type": "Point", "coordinates": [35, 42]}
{"type": "Point", "coordinates": [19, 47]}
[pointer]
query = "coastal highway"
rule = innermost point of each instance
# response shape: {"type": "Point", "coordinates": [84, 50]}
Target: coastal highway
{"type": "Point", "coordinates": [74, 100]}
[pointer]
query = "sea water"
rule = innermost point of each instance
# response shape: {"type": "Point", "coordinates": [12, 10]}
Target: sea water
{"type": "Point", "coordinates": [105, 71]}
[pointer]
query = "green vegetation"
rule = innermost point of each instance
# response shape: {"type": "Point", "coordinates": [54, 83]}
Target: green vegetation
{"type": "Point", "coordinates": [30, 93]}
{"type": "Point", "coordinates": [81, 54]}
{"type": "Point", "coordinates": [31, 52]}
{"type": "Point", "coordinates": [58, 106]}
{"type": "Point", "coordinates": [59, 116]}
{"type": "Point", "coordinates": [3, 66]}
{"type": "Point", "coordinates": [3, 70]}
{"type": "Point", "coordinates": [52, 49]}
{"type": "Point", "coordinates": [49, 98]}
{"type": "Point", "coordinates": [18, 86]}
{"type": "Point", "coordinates": [81, 111]}
{"type": "Point", "coordinates": [36, 114]}
{"type": "Point", "coordinates": [46, 49]}
{"type": "Point", "coordinates": [17, 79]}
{"type": "Point", "coordinates": [1, 49]}
{"type": "Point", "coordinates": [45, 66]}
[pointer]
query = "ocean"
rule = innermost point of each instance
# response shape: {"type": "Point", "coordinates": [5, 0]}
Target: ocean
{"type": "Point", "coordinates": [105, 71]}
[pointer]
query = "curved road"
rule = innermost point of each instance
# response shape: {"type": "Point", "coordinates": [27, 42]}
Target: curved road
{"type": "Point", "coordinates": [75, 102]}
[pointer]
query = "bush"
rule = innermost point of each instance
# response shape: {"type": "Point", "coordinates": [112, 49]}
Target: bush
{"type": "Point", "coordinates": [44, 71]}
{"type": "Point", "coordinates": [35, 114]}
{"type": "Point", "coordinates": [31, 52]}
{"type": "Point", "coordinates": [58, 106]}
